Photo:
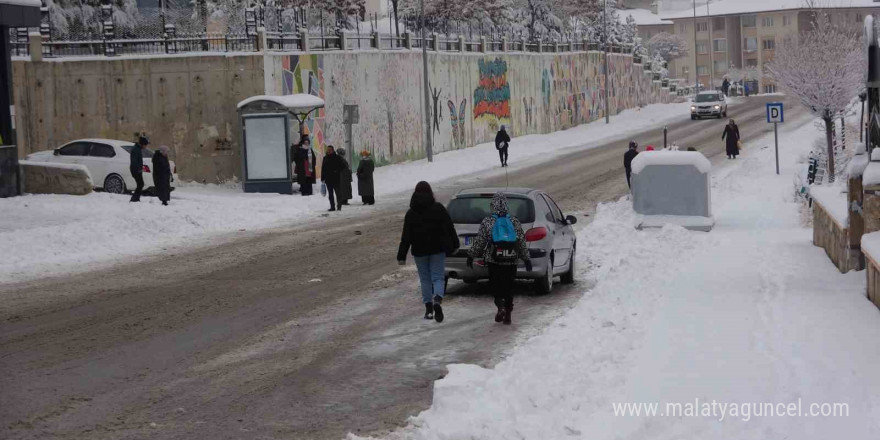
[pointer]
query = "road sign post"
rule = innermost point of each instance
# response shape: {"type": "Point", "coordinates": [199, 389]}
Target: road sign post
{"type": "Point", "coordinates": [775, 115]}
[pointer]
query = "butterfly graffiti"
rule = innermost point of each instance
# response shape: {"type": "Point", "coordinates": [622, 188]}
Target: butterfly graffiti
{"type": "Point", "coordinates": [457, 118]}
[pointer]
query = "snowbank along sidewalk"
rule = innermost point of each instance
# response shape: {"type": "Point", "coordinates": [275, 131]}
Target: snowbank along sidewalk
{"type": "Point", "coordinates": [747, 315]}
{"type": "Point", "coordinates": [50, 234]}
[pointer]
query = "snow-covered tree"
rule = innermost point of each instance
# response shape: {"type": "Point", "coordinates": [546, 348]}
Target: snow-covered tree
{"type": "Point", "coordinates": [81, 19]}
{"type": "Point", "coordinates": [658, 66]}
{"type": "Point", "coordinates": [824, 68]}
{"type": "Point", "coordinates": [668, 46]}
{"type": "Point", "coordinates": [748, 73]}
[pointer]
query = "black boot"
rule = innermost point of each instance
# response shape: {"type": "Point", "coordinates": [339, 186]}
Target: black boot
{"type": "Point", "coordinates": [438, 310]}
{"type": "Point", "coordinates": [429, 311]}
{"type": "Point", "coordinates": [508, 311]}
{"type": "Point", "coordinates": [500, 315]}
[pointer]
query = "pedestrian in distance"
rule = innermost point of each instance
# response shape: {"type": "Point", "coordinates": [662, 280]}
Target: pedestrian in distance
{"type": "Point", "coordinates": [304, 166]}
{"type": "Point", "coordinates": [502, 142]}
{"type": "Point", "coordinates": [501, 243]}
{"type": "Point", "coordinates": [344, 178]}
{"type": "Point", "coordinates": [331, 169]}
{"type": "Point", "coordinates": [365, 178]}
{"type": "Point", "coordinates": [725, 87]}
{"type": "Point", "coordinates": [162, 174]}
{"type": "Point", "coordinates": [429, 233]}
{"type": "Point", "coordinates": [731, 136]}
{"type": "Point", "coordinates": [136, 166]}
{"type": "Point", "coordinates": [628, 157]}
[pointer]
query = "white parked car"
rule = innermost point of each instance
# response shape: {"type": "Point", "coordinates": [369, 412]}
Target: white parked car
{"type": "Point", "coordinates": [107, 161]}
{"type": "Point", "coordinates": [709, 103]}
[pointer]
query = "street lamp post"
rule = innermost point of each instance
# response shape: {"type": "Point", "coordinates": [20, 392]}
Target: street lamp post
{"type": "Point", "coordinates": [696, 69]}
{"type": "Point", "coordinates": [711, 48]}
{"type": "Point", "coordinates": [605, 25]}
{"type": "Point", "coordinates": [429, 148]}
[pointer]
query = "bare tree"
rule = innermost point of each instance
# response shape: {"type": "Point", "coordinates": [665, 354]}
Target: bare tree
{"type": "Point", "coordinates": [668, 46]}
{"type": "Point", "coordinates": [824, 68]}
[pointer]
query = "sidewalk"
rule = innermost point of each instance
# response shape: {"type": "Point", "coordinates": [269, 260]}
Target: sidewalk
{"type": "Point", "coordinates": [751, 312]}
{"type": "Point", "coordinates": [46, 235]}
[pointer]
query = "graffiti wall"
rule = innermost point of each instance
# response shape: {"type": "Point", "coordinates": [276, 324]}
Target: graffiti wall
{"type": "Point", "coordinates": [470, 96]}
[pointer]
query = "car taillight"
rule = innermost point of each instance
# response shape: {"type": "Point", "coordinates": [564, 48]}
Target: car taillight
{"type": "Point", "coordinates": [536, 234]}
{"type": "Point", "coordinates": [146, 169]}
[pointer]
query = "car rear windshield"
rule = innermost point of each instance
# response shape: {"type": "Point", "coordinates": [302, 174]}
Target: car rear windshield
{"type": "Point", "coordinates": [472, 210]}
{"type": "Point", "coordinates": [148, 153]}
{"type": "Point", "coordinates": [708, 97]}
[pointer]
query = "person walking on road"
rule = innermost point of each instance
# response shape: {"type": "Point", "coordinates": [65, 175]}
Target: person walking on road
{"type": "Point", "coordinates": [725, 87]}
{"type": "Point", "coordinates": [345, 190]}
{"type": "Point", "coordinates": [304, 166]}
{"type": "Point", "coordinates": [628, 157]}
{"type": "Point", "coordinates": [365, 178]}
{"type": "Point", "coordinates": [136, 166]}
{"type": "Point", "coordinates": [162, 174]}
{"type": "Point", "coordinates": [731, 134]}
{"type": "Point", "coordinates": [428, 231]}
{"type": "Point", "coordinates": [331, 168]}
{"type": "Point", "coordinates": [502, 142]}
{"type": "Point", "coordinates": [501, 243]}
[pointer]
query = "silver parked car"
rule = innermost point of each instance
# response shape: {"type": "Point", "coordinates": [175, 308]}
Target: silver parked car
{"type": "Point", "coordinates": [551, 238]}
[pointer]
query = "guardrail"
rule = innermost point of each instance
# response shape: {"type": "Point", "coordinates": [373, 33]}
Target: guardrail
{"type": "Point", "coordinates": [298, 41]}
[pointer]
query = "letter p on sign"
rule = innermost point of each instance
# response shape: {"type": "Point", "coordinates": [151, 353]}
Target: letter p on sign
{"type": "Point", "coordinates": [775, 112]}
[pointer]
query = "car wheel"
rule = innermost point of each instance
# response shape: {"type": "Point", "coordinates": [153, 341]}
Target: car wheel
{"type": "Point", "coordinates": [568, 277]}
{"type": "Point", "coordinates": [693, 118]}
{"type": "Point", "coordinates": [725, 113]}
{"type": "Point", "coordinates": [544, 285]}
{"type": "Point", "coordinates": [114, 184]}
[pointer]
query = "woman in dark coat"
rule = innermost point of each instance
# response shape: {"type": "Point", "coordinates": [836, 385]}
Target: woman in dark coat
{"type": "Point", "coordinates": [162, 174]}
{"type": "Point", "coordinates": [345, 190]}
{"type": "Point", "coordinates": [365, 178]}
{"type": "Point", "coordinates": [304, 166]}
{"type": "Point", "coordinates": [429, 232]}
{"type": "Point", "coordinates": [731, 134]}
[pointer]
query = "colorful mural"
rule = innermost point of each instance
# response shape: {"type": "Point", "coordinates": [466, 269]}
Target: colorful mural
{"type": "Point", "coordinates": [457, 117]}
{"type": "Point", "coordinates": [492, 95]}
{"type": "Point", "coordinates": [305, 74]}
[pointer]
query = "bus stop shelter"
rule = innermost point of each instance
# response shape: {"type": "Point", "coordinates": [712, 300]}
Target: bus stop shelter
{"type": "Point", "coordinates": [266, 139]}
{"type": "Point", "coordinates": [13, 14]}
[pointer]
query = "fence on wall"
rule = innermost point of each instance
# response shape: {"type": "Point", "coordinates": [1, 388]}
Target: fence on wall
{"type": "Point", "coordinates": [184, 30]}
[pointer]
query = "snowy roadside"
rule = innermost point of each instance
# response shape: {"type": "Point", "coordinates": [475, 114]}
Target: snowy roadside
{"type": "Point", "coordinates": [750, 313]}
{"type": "Point", "coordinates": [44, 235]}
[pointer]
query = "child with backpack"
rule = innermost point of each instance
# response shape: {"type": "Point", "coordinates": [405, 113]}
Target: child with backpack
{"type": "Point", "coordinates": [501, 243]}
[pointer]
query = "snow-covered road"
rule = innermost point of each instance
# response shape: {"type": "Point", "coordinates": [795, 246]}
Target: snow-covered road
{"type": "Point", "coordinates": [749, 314]}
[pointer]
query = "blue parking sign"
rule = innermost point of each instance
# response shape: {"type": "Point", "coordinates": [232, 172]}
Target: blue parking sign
{"type": "Point", "coordinates": [775, 112]}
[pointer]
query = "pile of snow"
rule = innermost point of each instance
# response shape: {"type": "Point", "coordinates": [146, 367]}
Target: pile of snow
{"type": "Point", "coordinates": [751, 313]}
{"type": "Point", "coordinates": [693, 158]}
{"type": "Point", "coordinates": [50, 234]}
{"type": "Point", "coordinates": [833, 200]}
{"type": "Point", "coordinates": [871, 245]}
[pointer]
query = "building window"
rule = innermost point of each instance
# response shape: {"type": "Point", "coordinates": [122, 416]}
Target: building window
{"type": "Point", "coordinates": [752, 62]}
{"type": "Point", "coordinates": [683, 28]}
{"type": "Point", "coordinates": [703, 27]}
{"type": "Point", "coordinates": [769, 44]}
{"type": "Point", "coordinates": [717, 24]}
{"type": "Point", "coordinates": [770, 88]}
{"type": "Point", "coordinates": [702, 47]}
{"type": "Point", "coordinates": [750, 44]}
{"type": "Point", "coordinates": [702, 70]}
{"type": "Point", "coordinates": [786, 20]}
{"type": "Point", "coordinates": [719, 45]}
{"type": "Point", "coordinates": [748, 21]}
{"type": "Point", "coordinates": [721, 66]}
{"type": "Point", "coordinates": [767, 21]}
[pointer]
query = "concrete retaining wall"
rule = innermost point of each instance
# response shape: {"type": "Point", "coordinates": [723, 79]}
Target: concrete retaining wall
{"type": "Point", "coordinates": [50, 178]}
{"type": "Point", "coordinates": [189, 102]}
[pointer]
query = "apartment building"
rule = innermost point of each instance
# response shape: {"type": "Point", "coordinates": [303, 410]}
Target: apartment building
{"type": "Point", "coordinates": [744, 33]}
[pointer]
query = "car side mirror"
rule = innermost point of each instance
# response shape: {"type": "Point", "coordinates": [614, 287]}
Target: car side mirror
{"type": "Point", "coordinates": [56, 152]}
{"type": "Point", "coordinates": [571, 219]}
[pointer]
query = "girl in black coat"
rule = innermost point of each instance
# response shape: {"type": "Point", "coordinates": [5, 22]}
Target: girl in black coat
{"type": "Point", "coordinates": [731, 133]}
{"type": "Point", "coordinates": [429, 231]}
{"type": "Point", "coordinates": [162, 175]}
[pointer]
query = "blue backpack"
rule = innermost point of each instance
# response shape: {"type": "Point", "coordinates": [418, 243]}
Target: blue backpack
{"type": "Point", "coordinates": [504, 240]}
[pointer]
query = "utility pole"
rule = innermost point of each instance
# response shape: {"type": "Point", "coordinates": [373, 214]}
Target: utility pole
{"type": "Point", "coordinates": [696, 70]}
{"type": "Point", "coordinates": [711, 48]}
{"type": "Point", "coordinates": [429, 147]}
{"type": "Point", "coordinates": [605, 25]}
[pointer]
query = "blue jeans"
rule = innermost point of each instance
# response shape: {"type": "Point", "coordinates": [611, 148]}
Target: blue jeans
{"type": "Point", "coordinates": [432, 275]}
